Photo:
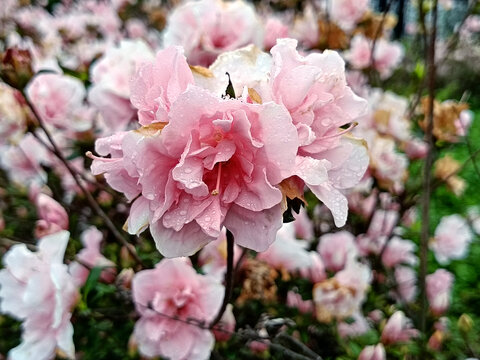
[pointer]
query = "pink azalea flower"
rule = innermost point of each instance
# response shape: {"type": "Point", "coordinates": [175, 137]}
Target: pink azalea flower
{"type": "Point", "coordinates": [387, 55]}
{"type": "Point", "coordinates": [91, 257]}
{"type": "Point", "coordinates": [451, 240]}
{"type": "Point", "coordinates": [337, 249]}
{"type": "Point", "coordinates": [213, 257]}
{"type": "Point", "coordinates": [305, 27]}
{"type": "Point", "coordinates": [204, 28]}
{"type": "Point", "coordinates": [406, 279]}
{"type": "Point", "coordinates": [110, 76]}
{"type": "Point", "coordinates": [316, 271]}
{"type": "Point", "coordinates": [389, 166]}
{"type": "Point", "coordinates": [399, 251]}
{"type": "Point", "coordinates": [275, 28]}
{"type": "Point", "coordinates": [59, 100]}
{"type": "Point", "coordinates": [12, 115]}
{"type": "Point", "coordinates": [294, 300]}
{"type": "Point", "coordinates": [347, 13]}
{"type": "Point", "coordinates": [373, 352]}
{"type": "Point", "coordinates": [156, 85]}
{"type": "Point", "coordinates": [53, 217]}
{"type": "Point", "coordinates": [416, 148]}
{"type": "Point", "coordinates": [342, 296]}
{"type": "Point", "coordinates": [319, 104]}
{"type": "Point", "coordinates": [439, 285]}
{"type": "Point", "coordinates": [358, 327]}
{"type": "Point", "coordinates": [174, 289]}
{"type": "Point", "coordinates": [287, 253]}
{"type": "Point", "coordinates": [23, 162]}
{"type": "Point", "coordinates": [360, 53]}
{"type": "Point", "coordinates": [215, 164]}
{"type": "Point", "coordinates": [303, 225]}
{"type": "Point", "coordinates": [398, 329]}
{"type": "Point", "coordinates": [35, 287]}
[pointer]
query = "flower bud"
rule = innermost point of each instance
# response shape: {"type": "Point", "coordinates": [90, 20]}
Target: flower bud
{"type": "Point", "coordinates": [465, 323]}
{"type": "Point", "coordinates": [16, 68]}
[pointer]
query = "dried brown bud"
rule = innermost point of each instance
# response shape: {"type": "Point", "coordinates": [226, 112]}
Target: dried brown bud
{"type": "Point", "coordinates": [16, 69]}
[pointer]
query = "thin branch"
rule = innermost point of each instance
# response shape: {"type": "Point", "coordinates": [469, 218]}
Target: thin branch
{"type": "Point", "coordinates": [93, 204]}
{"type": "Point", "coordinates": [427, 173]}
{"type": "Point", "coordinates": [301, 347]}
{"type": "Point", "coordinates": [228, 279]}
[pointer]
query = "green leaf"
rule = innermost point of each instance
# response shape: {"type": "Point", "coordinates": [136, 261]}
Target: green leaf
{"type": "Point", "coordinates": [230, 91]}
{"type": "Point", "coordinates": [91, 281]}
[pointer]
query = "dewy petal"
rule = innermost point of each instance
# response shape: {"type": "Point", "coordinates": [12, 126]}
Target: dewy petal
{"type": "Point", "coordinates": [255, 230]}
{"type": "Point", "coordinates": [312, 171]}
{"type": "Point", "coordinates": [139, 214]}
{"type": "Point", "coordinates": [351, 171]}
{"type": "Point", "coordinates": [280, 141]}
{"type": "Point", "coordinates": [173, 243]}
{"type": "Point", "coordinates": [334, 200]}
{"type": "Point", "coordinates": [259, 194]}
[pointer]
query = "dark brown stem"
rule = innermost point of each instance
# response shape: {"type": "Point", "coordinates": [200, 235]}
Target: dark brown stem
{"type": "Point", "coordinates": [228, 280]}
{"type": "Point", "coordinates": [427, 183]}
{"type": "Point", "coordinates": [93, 204]}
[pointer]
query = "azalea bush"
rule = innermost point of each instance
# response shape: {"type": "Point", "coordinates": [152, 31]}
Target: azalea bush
{"type": "Point", "coordinates": [234, 180]}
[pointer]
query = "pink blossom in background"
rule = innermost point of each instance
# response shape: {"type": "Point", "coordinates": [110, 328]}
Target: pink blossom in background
{"type": "Point", "coordinates": [337, 249]}
{"type": "Point", "coordinates": [316, 271]}
{"type": "Point", "coordinates": [215, 164]}
{"type": "Point", "coordinates": [416, 149]}
{"type": "Point", "coordinates": [357, 326]}
{"type": "Point", "coordinates": [399, 252]}
{"type": "Point", "coordinates": [110, 76]}
{"type": "Point", "coordinates": [373, 352]}
{"type": "Point", "coordinates": [294, 300]}
{"type": "Point", "coordinates": [303, 225]}
{"type": "Point", "coordinates": [23, 162]}
{"type": "Point", "coordinates": [213, 257]}
{"type": "Point", "coordinates": [462, 124]}
{"type": "Point", "coordinates": [406, 279]}
{"type": "Point", "coordinates": [174, 288]}
{"type": "Point", "coordinates": [275, 28]}
{"type": "Point", "coordinates": [387, 55]}
{"type": "Point", "coordinates": [359, 55]}
{"type": "Point", "coordinates": [327, 161]}
{"type": "Point", "coordinates": [342, 296]}
{"type": "Point", "coordinates": [451, 240]}
{"type": "Point", "coordinates": [398, 329]}
{"type": "Point", "coordinates": [383, 222]}
{"type": "Point", "coordinates": [347, 13]}
{"type": "Point", "coordinates": [287, 253]}
{"type": "Point", "coordinates": [389, 166]}
{"type": "Point", "coordinates": [36, 288]}
{"type": "Point", "coordinates": [203, 28]}
{"type": "Point", "coordinates": [90, 257]}
{"type": "Point", "coordinates": [305, 27]}
{"type": "Point", "coordinates": [226, 326]}
{"type": "Point", "coordinates": [439, 286]}
{"type": "Point", "coordinates": [58, 100]}
{"type": "Point", "coordinates": [52, 216]}
{"type": "Point", "coordinates": [12, 115]}
{"type": "Point", "coordinates": [157, 84]}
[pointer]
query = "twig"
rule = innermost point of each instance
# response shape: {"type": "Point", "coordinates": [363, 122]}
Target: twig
{"type": "Point", "coordinates": [377, 34]}
{"type": "Point", "coordinates": [228, 279]}
{"type": "Point", "coordinates": [93, 204]}
{"type": "Point", "coordinates": [305, 350]}
{"type": "Point", "coordinates": [427, 174]}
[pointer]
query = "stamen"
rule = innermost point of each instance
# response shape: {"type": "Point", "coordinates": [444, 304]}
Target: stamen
{"type": "Point", "coordinates": [219, 175]}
